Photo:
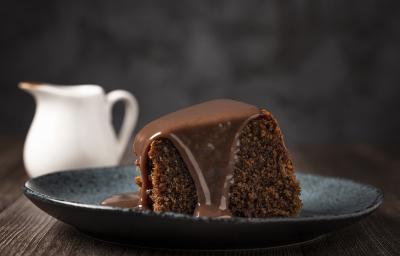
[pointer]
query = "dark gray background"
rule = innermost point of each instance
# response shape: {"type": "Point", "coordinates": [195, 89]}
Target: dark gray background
{"type": "Point", "coordinates": [328, 70]}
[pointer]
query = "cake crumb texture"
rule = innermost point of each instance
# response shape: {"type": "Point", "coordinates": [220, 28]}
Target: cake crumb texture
{"type": "Point", "coordinates": [264, 182]}
{"type": "Point", "coordinates": [173, 188]}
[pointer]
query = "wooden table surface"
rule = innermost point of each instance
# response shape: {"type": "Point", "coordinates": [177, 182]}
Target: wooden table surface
{"type": "Point", "coordinates": [26, 230]}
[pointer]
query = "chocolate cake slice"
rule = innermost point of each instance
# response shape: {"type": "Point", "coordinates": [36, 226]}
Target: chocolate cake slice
{"type": "Point", "coordinates": [218, 158]}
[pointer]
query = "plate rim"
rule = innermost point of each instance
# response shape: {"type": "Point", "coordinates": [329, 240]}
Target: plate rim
{"type": "Point", "coordinates": [29, 191]}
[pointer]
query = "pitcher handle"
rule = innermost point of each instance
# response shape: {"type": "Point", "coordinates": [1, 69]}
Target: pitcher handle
{"type": "Point", "coordinates": [130, 116]}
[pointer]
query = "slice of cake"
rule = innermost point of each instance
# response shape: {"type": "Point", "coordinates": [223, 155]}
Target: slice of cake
{"type": "Point", "coordinates": [218, 158]}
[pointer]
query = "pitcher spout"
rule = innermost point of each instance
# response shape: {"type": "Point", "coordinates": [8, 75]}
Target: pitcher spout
{"type": "Point", "coordinates": [32, 87]}
{"type": "Point", "coordinates": [29, 86]}
{"type": "Point", "coordinates": [76, 91]}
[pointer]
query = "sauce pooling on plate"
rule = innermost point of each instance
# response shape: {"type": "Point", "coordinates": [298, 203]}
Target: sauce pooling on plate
{"type": "Point", "coordinates": [125, 200]}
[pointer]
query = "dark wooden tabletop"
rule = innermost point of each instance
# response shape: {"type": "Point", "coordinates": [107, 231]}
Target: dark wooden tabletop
{"type": "Point", "coordinates": [26, 230]}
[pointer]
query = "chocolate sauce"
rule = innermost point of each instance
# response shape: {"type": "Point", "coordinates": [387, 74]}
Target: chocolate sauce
{"type": "Point", "coordinates": [206, 136]}
{"type": "Point", "coordinates": [125, 200]}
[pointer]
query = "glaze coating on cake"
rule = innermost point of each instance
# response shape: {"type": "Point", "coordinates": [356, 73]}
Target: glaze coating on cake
{"type": "Point", "coordinates": [218, 158]}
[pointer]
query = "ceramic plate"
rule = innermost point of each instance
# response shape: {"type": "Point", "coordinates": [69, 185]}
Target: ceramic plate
{"type": "Point", "coordinates": [74, 197]}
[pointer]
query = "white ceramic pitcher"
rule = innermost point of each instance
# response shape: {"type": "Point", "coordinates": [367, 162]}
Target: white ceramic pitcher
{"type": "Point", "coordinates": [72, 127]}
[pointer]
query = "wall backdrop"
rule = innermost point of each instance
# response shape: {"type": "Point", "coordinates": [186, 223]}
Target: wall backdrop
{"type": "Point", "coordinates": [328, 70]}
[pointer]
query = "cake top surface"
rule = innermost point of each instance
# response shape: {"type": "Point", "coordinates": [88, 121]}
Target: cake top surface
{"type": "Point", "coordinates": [205, 136]}
{"type": "Point", "coordinates": [203, 114]}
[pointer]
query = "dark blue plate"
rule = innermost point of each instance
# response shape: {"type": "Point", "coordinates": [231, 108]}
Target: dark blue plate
{"type": "Point", "coordinates": [74, 197]}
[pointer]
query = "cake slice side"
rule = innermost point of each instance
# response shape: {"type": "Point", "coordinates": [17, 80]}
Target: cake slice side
{"type": "Point", "coordinates": [264, 184]}
{"type": "Point", "coordinates": [173, 188]}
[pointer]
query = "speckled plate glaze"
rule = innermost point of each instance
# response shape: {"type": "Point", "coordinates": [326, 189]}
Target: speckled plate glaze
{"type": "Point", "coordinates": [74, 197]}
